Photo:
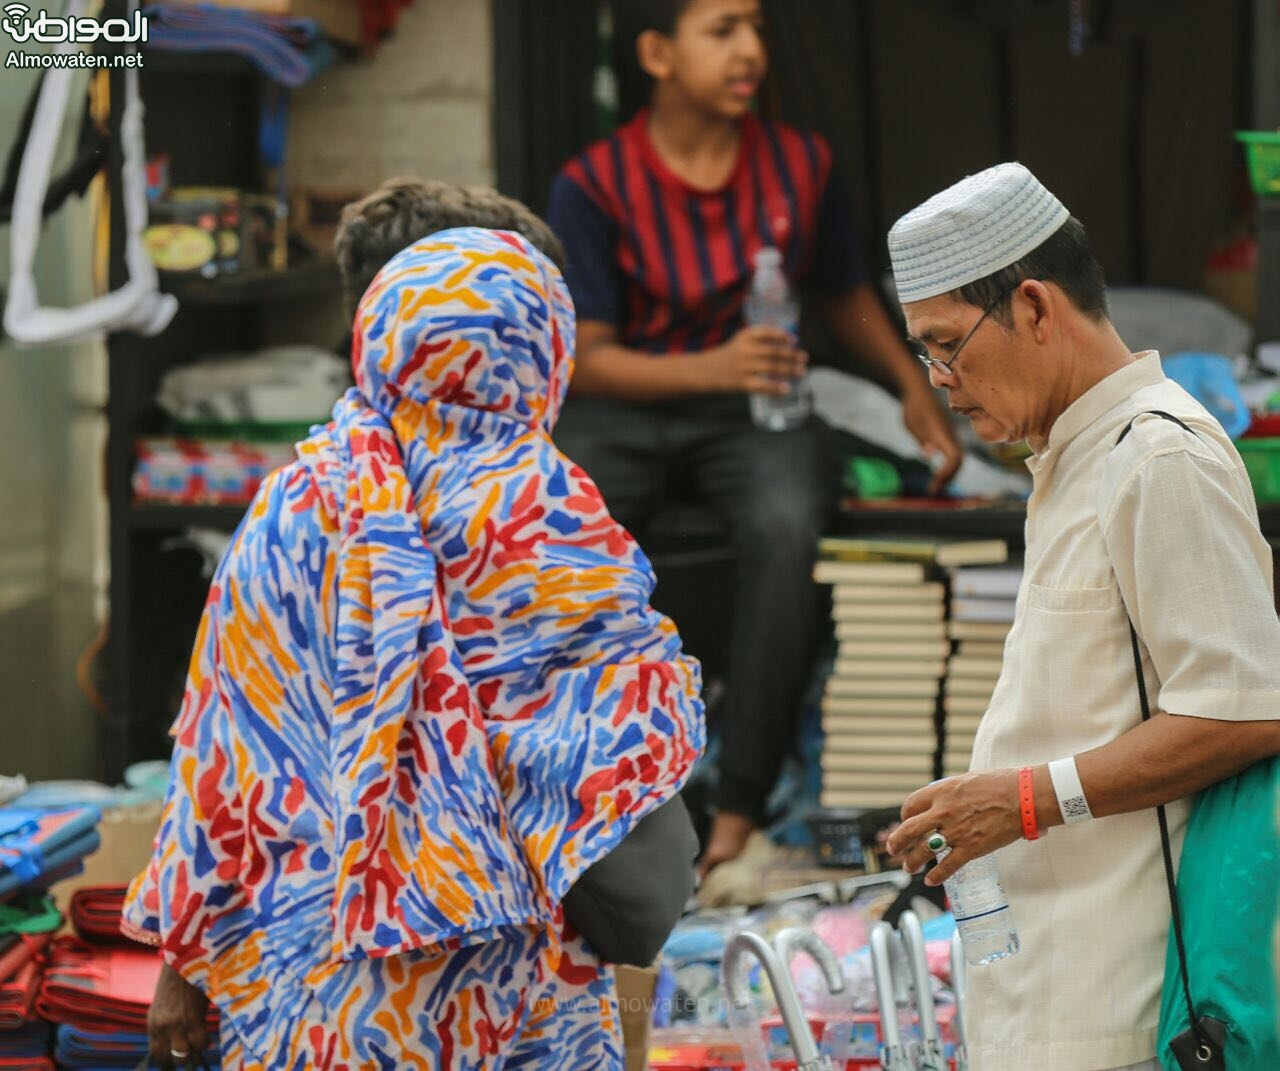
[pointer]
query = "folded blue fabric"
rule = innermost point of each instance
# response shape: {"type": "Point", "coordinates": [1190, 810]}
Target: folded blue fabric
{"type": "Point", "coordinates": [50, 878]}
{"type": "Point", "coordinates": [19, 852]}
{"type": "Point", "coordinates": [286, 49]}
{"type": "Point", "coordinates": [29, 1040]}
{"type": "Point", "coordinates": [89, 1051]}
{"type": "Point", "coordinates": [82, 1049]}
{"type": "Point", "coordinates": [61, 861]}
{"type": "Point", "coordinates": [34, 843]}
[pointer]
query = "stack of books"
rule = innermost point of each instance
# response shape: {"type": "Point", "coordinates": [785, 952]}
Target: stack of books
{"type": "Point", "coordinates": [880, 707]}
{"type": "Point", "coordinates": [981, 614]}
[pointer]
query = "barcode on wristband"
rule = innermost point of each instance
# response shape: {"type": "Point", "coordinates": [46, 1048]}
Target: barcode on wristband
{"type": "Point", "coordinates": [1076, 807]}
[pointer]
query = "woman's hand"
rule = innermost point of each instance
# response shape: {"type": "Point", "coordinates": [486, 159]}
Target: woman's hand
{"type": "Point", "coordinates": [176, 1026]}
{"type": "Point", "coordinates": [976, 812]}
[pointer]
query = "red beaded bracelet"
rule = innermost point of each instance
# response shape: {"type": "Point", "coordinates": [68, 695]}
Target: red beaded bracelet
{"type": "Point", "coordinates": [1027, 802]}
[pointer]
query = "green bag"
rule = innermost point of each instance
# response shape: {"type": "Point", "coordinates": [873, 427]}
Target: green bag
{"type": "Point", "coordinates": [1221, 956]}
{"type": "Point", "coordinates": [1229, 896]}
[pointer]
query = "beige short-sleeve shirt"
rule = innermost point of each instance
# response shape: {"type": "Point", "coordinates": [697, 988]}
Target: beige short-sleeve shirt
{"type": "Point", "coordinates": [1165, 525]}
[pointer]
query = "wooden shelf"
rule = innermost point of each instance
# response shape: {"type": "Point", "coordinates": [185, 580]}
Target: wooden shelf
{"type": "Point", "coordinates": [167, 61]}
{"type": "Point", "coordinates": [316, 278]}
{"type": "Point", "coordinates": [156, 596]}
{"type": "Point", "coordinates": [157, 516]}
{"type": "Point", "coordinates": [1004, 521]}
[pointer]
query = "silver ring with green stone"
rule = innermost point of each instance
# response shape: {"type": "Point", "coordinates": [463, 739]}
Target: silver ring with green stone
{"type": "Point", "coordinates": [936, 842]}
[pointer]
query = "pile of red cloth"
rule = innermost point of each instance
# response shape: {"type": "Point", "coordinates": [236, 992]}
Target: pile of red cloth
{"type": "Point", "coordinates": [98, 995]}
{"type": "Point", "coordinates": [20, 971]}
{"type": "Point", "coordinates": [98, 988]}
{"type": "Point", "coordinates": [27, 925]}
{"type": "Point", "coordinates": [38, 847]}
{"type": "Point", "coordinates": [95, 914]}
{"type": "Point", "coordinates": [34, 1057]}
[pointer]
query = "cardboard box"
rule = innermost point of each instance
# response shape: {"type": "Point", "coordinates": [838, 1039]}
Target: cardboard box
{"type": "Point", "coordinates": [127, 835]}
{"type": "Point", "coordinates": [636, 986]}
{"type": "Point", "coordinates": [1237, 290]}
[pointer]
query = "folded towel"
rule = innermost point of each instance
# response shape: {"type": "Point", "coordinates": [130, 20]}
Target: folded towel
{"type": "Point", "coordinates": [18, 950]}
{"type": "Point", "coordinates": [95, 914]}
{"type": "Point", "coordinates": [35, 842]}
{"type": "Point", "coordinates": [18, 996]}
{"type": "Point", "coordinates": [91, 1050]}
{"type": "Point", "coordinates": [101, 990]}
{"type": "Point", "coordinates": [287, 49]}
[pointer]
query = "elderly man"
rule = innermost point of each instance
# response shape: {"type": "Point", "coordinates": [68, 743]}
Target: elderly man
{"type": "Point", "coordinates": [1005, 300]}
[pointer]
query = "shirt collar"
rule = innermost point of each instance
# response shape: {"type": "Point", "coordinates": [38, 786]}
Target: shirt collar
{"type": "Point", "coordinates": [1099, 399]}
{"type": "Point", "coordinates": [637, 131]}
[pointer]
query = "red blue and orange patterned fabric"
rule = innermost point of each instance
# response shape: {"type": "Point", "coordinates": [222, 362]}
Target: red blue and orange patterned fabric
{"type": "Point", "coordinates": [428, 691]}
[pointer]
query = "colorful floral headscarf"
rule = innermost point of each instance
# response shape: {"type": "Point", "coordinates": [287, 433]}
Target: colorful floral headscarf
{"type": "Point", "coordinates": [428, 690]}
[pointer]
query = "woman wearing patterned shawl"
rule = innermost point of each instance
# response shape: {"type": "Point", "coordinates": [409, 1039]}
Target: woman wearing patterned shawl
{"type": "Point", "coordinates": [427, 693]}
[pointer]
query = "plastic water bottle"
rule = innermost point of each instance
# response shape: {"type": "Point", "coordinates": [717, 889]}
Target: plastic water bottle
{"type": "Point", "coordinates": [771, 304]}
{"type": "Point", "coordinates": [982, 913]}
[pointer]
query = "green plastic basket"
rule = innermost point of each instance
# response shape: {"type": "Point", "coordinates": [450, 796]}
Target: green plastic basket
{"type": "Point", "coordinates": [1261, 459]}
{"type": "Point", "coordinates": [247, 431]}
{"type": "Point", "coordinates": [1262, 150]}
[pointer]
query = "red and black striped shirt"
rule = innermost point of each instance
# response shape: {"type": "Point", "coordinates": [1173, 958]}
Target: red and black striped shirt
{"type": "Point", "coordinates": [668, 264]}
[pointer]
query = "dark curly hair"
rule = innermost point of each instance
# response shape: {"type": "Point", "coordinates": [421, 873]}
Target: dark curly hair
{"type": "Point", "coordinates": [400, 211]}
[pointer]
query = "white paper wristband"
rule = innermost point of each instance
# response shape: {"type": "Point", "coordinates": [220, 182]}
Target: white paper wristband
{"type": "Point", "coordinates": [1070, 793]}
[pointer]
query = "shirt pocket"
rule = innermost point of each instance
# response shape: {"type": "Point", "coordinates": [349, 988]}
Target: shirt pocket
{"type": "Point", "coordinates": [1073, 600]}
{"type": "Point", "coordinates": [1075, 685]}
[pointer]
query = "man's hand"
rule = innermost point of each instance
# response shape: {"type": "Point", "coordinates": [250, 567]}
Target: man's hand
{"type": "Point", "coordinates": [976, 812]}
{"type": "Point", "coordinates": [762, 360]}
{"type": "Point", "coordinates": [931, 426]}
{"type": "Point", "coordinates": [176, 1027]}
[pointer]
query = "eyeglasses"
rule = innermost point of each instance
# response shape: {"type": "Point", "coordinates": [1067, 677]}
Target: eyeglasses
{"type": "Point", "coordinates": [922, 351]}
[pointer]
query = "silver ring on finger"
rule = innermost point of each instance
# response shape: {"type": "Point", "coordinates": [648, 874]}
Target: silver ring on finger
{"type": "Point", "coordinates": [936, 842]}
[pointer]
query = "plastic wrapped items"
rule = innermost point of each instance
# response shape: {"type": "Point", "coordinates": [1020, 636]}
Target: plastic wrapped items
{"type": "Point", "coordinates": [689, 975]}
{"type": "Point", "coordinates": [186, 472]}
{"type": "Point", "coordinates": [279, 385]}
{"type": "Point", "coordinates": [1209, 379]}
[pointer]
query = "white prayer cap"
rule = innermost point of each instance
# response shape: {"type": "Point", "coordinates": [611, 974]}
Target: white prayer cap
{"type": "Point", "coordinates": [983, 223]}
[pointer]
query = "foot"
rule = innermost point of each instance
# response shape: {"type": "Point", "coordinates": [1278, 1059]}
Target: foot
{"type": "Point", "coordinates": [729, 833]}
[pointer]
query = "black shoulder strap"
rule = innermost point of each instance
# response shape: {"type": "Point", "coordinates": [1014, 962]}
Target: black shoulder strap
{"type": "Point", "coordinates": [1153, 412]}
{"type": "Point", "coordinates": [1170, 880]}
{"type": "Point", "coordinates": [1160, 811]}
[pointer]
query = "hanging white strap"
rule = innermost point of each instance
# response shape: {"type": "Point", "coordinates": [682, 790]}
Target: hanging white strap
{"type": "Point", "coordinates": [137, 305]}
